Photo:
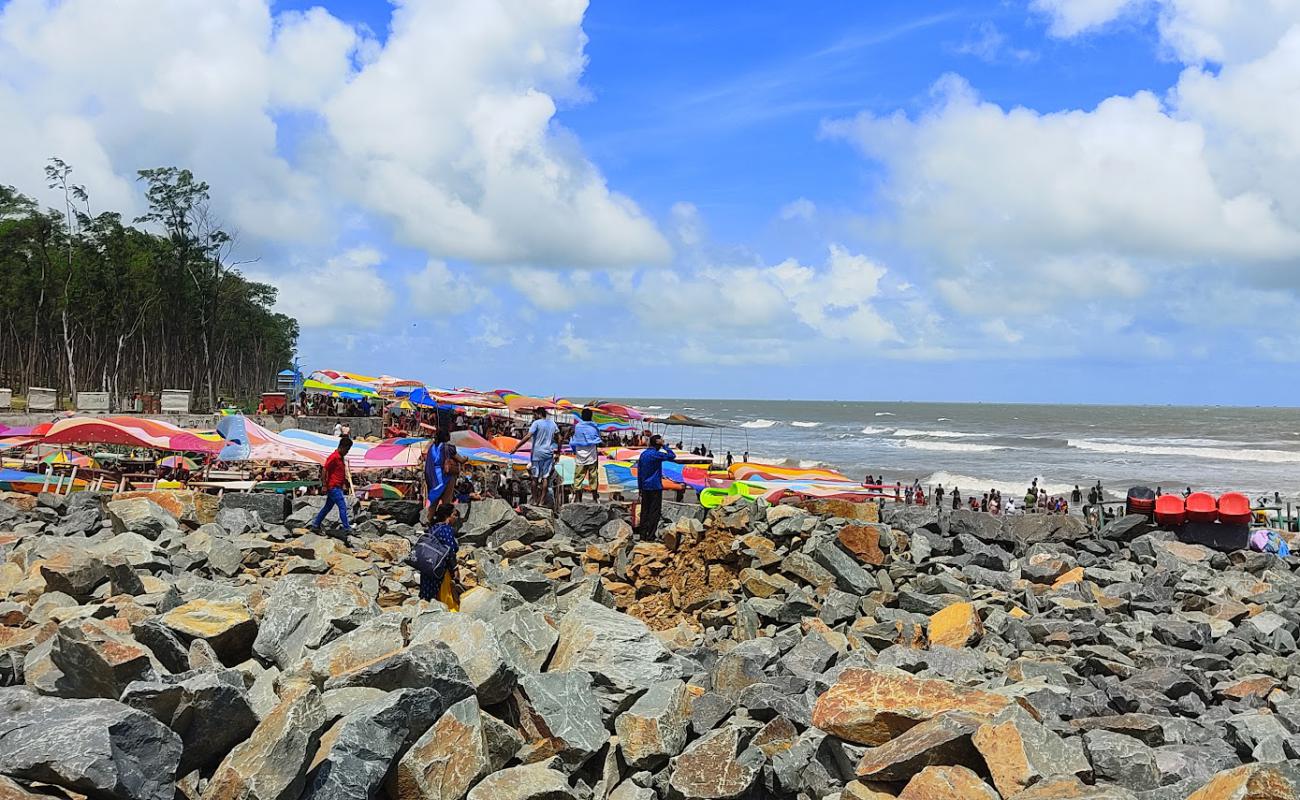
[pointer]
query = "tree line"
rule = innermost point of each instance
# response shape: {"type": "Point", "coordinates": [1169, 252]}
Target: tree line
{"type": "Point", "coordinates": [89, 302]}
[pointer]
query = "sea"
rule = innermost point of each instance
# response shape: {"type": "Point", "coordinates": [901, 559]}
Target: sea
{"type": "Point", "coordinates": [982, 446]}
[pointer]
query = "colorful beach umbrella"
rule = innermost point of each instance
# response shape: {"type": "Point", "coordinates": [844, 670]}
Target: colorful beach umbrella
{"type": "Point", "coordinates": [70, 457]}
{"type": "Point", "coordinates": [380, 491]}
{"type": "Point", "coordinates": [179, 462]}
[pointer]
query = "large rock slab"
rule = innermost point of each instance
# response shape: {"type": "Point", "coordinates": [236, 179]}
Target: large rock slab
{"type": "Point", "coordinates": [272, 764]}
{"type": "Point", "coordinates": [1020, 751]}
{"type": "Point", "coordinates": [526, 636]}
{"type": "Point", "coordinates": [357, 752]}
{"type": "Point", "coordinates": [716, 767]}
{"type": "Point", "coordinates": [429, 664]}
{"type": "Point", "coordinates": [228, 626]}
{"type": "Point", "coordinates": [622, 653]}
{"type": "Point", "coordinates": [944, 740]}
{"type": "Point", "coordinates": [476, 645]}
{"type": "Point", "coordinates": [210, 711]}
{"type": "Point", "coordinates": [871, 707]}
{"type": "Point", "coordinates": [86, 659]}
{"type": "Point", "coordinates": [140, 515]}
{"type": "Point", "coordinates": [1249, 782]}
{"type": "Point", "coordinates": [184, 505]}
{"type": "Point", "coordinates": [654, 728]}
{"type": "Point", "coordinates": [561, 715]}
{"type": "Point", "coordinates": [98, 747]}
{"type": "Point", "coordinates": [270, 507]}
{"type": "Point", "coordinates": [307, 611]}
{"type": "Point", "coordinates": [947, 783]}
{"type": "Point", "coordinates": [74, 570]}
{"type": "Point", "coordinates": [463, 747]}
{"type": "Point", "coordinates": [373, 640]}
{"type": "Point", "coordinates": [527, 782]}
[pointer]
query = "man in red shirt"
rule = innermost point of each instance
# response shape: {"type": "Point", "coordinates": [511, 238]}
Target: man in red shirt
{"type": "Point", "coordinates": [335, 479]}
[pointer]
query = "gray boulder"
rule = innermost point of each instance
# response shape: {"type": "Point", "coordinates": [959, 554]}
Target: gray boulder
{"type": "Point", "coordinates": [528, 782]}
{"type": "Point", "coordinates": [238, 521]}
{"type": "Point", "coordinates": [561, 708]}
{"type": "Point", "coordinates": [1122, 759]}
{"type": "Point", "coordinates": [430, 664]}
{"type": "Point", "coordinates": [272, 763]}
{"type": "Point", "coordinates": [140, 515]}
{"type": "Point", "coordinates": [307, 611]}
{"type": "Point", "coordinates": [98, 747]}
{"type": "Point", "coordinates": [476, 645]}
{"type": "Point", "coordinates": [210, 711]}
{"type": "Point", "coordinates": [584, 520]}
{"type": "Point", "coordinates": [463, 746]}
{"type": "Point", "coordinates": [654, 728]}
{"type": "Point", "coordinates": [716, 767]}
{"type": "Point", "coordinates": [622, 653]}
{"type": "Point", "coordinates": [364, 744]}
{"type": "Point", "coordinates": [270, 507]}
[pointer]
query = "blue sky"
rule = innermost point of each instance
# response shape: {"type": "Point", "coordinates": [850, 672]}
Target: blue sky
{"type": "Point", "coordinates": [1029, 200]}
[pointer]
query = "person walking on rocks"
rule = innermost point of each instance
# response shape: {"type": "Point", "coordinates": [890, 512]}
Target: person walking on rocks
{"type": "Point", "coordinates": [336, 477]}
{"type": "Point", "coordinates": [434, 557]}
{"type": "Point", "coordinates": [586, 456]}
{"type": "Point", "coordinates": [543, 434]}
{"type": "Point", "coordinates": [650, 483]}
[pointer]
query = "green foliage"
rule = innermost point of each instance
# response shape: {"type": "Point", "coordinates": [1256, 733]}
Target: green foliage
{"type": "Point", "coordinates": [147, 308]}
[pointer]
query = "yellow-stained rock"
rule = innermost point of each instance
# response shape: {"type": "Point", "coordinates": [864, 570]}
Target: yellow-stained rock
{"type": "Point", "coordinates": [1073, 576]}
{"type": "Point", "coordinates": [956, 626]}
{"type": "Point", "coordinates": [870, 707]}
{"type": "Point", "coordinates": [947, 783]}
{"type": "Point", "coordinates": [1250, 782]}
{"type": "Point", "coordinates": [227, 625]}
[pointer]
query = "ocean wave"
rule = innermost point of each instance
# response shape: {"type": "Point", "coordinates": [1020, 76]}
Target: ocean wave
{"type": "Point", "coordinates": [872, 430]}
{"type": "Point", "coordinates": [884, 413]}
{"type": "Point", "coordinates": [1014, 489]}
{"type": "Point", "coordinates": [758, 423]}
{"type": "Point", "coordinates": [952, 447]}
{"type": "Point", "coordinates": [805, 424]}
{"type": "Point", "coordinates": [907, 432]}
{"type": "Point", "coordinates": [790, 463]}
{"type": "Point", "coordinates": [653, 408]}
{"type": "Point", "coordinates": [1217, 453]}
{"type": "Point", "coordinates": [943, 419]}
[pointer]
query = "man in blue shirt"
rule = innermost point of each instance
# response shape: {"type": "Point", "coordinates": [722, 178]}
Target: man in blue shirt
{"type": "Point", "coordinates": [543, 433]}
{"type": "Point", "coordinates": [650, 482]}
{"type": "Point", "coordinates": [586, 457]}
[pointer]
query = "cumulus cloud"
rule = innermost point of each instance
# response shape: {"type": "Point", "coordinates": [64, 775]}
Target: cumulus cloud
{"type": "Point", "coordinates": [799, 209]}
{"type": "Point", "coordinates": [834, 300]}
{"type": "Point", "coordinates": [346, 290]}
{"type": "Point", "coordinates": [1072, 17]}
{"type": "Point", "coordinates": [1021, 211]}
{"type": "Point", "coordinates": [447, 130]}
{"type": "Point", "coordinates": [438, 289]}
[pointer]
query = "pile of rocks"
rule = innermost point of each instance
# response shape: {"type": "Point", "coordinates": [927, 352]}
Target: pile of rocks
{"type": "Point", "coordinates": [160, 646]}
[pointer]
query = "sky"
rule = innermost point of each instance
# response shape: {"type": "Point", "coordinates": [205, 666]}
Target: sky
{"type": "Point", "coordinates": [1017, 200]}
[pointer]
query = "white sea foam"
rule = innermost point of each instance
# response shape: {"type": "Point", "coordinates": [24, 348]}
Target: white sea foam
{"type": "Point", "coordinates": [906, 432]}
{"type": "Point", "coordinates": [758, 423]}
{"type": "Point", "coordinates": [884, 413]}
{"type": "Point", "coordinates": [943, 419]}
{"type": "Point", "coordinates": [951, 447]}
{"type": "Point", "coordinates": [970, 484]}
{"type": "Point", "coordinates": [1219, 453]}
{"type": "Point", "coordinates": [805, 424]}
{"type": "Point", "coordinates": [872, 430]}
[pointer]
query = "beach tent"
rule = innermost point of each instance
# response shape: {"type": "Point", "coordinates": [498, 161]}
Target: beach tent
{"type": "Point", "coordinates": [131, 432]}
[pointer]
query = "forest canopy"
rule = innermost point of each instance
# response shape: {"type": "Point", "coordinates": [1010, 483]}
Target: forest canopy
{"type": "Point", "coordinates": [89, 302]}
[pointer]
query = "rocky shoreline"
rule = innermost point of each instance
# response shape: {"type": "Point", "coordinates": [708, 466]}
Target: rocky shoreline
{"type": "Point", "coordinates": [168, 645]}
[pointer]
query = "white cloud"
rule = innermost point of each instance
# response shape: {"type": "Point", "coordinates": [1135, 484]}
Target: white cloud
{"type": "Point", "coordinates": [575, 347]}
{"type": "Point", "coordinates": [799, 209]}
{"type": "Point", "coordinates": [1222, 31]}
{"type": "Point", "coordinates": [469, 161]}
{"type": "Point", "coordinates": [1072, 17]}
{"type": "Point", "coordinates": [555, 290]}
{"type": "Point", "coordinates": [447, 129]}
{"type": "Point", "coordinates": [491, 333]}
{"type": "Point", "coordinates": [346, 291]}
{"type": "Point", "coordinates": [439, 289]}
{"type": "Point", "coordinates": [835, 301]}
{"type": "Point", "coordinates": [687, 225]}
{"type": "Point", "coordinates": [990, 44]}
